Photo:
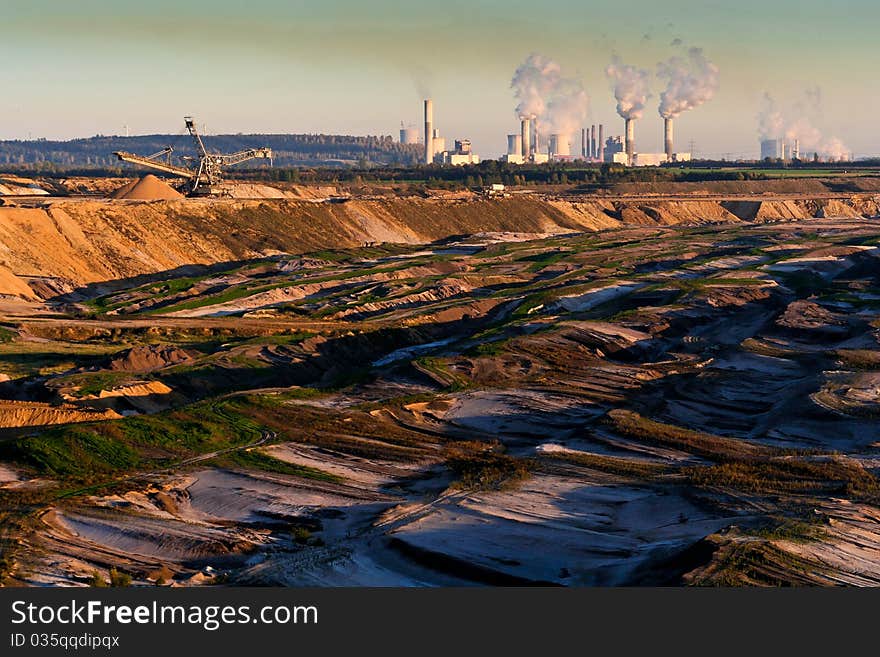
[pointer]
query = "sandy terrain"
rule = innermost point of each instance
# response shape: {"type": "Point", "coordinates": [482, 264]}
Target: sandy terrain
{"type": "Point", "coordinates": [543, 402]}
{"type": "Point", "coordinates": [92, 240]}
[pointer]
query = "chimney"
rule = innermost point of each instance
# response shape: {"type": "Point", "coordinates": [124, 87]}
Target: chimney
{"type": "Point", "coordinates": [584, 143]}
{"type": "Point", "coordinates": [601, 146]}
{"type": "Point", "coordinates": [526, 137]}
{"type": "Point", "coordinates": [535, 146]}
{"type": "Point", "coordinates": [429, 131]}
{"type": "Point", "coordinates": [594, 151]}
{"type": "Point", "coordinates": [796, 153]}
{"type": "Point", "coordinates": [630, 141]}
{"type": "Point", "coordinates": [668, 138]}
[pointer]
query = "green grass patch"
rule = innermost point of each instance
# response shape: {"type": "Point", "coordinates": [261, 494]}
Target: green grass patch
{"type": "Point", "coordinates": [795, 530]}
{"type": "Point", "coordinates": [258, 460]}
{"type": "Point", "coordinates": [90, 453]}
{"type": "Point", "coordinates": [92, 383]}
{"type": "Point", "coordinates": [7, 335]}
{"type": "Point", "coordinates": [789, 476]}
{"type": "Point", "coordinates": [610, 464]}
{"type": "Point", "coordinates": [702, 444]}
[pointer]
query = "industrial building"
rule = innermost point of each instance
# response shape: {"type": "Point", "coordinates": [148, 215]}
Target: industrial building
{"type": "Point", "coordinates": [613, 151]}
{"type": "Point", "coordinates": [461, 155]}
{"type": "Point", "coordinates": [435, 144]}
{"type": "Point", "coordinates": [623, 151]}
{"type": "Point", "coordinates": [438, 142]}
{"type": "Point", "coordinates": [657, 159]}
{"type": "Point", "coordinates": [787, 150]}
{"type": "Point", "coordinates": [525, 146]}
{"type": "Point", "coordinates": [780, 149]}
{"type": "Point", "coordinates": [773, 149]}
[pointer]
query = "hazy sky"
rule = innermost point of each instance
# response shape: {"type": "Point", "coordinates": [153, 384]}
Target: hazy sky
{"type": "Point", "coordinates": [344, 66]}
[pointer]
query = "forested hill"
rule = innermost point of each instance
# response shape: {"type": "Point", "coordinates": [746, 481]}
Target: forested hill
{"type": "Point", "coordinates": [289, 150]}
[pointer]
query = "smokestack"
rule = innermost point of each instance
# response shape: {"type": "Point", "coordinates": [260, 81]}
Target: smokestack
{"type": "Point", "coordinates": [601, 150]}
{"type": "Point", "coordinates": [630, 140]}
{"type": "Point", "coordinates": [796, 153]}
{"type": "Point", "coordinates": [593, 149]}
{"type": "Point", "coordinates": [535, 148]}
{"type": "Point", "coordinates": [526, 137]}
{"type": "Point", "coordinates": [429, 131]}
{"type": "Point", "coordinates": [584, 143]}
{"type": "Point", "coordinates": [668, 138]}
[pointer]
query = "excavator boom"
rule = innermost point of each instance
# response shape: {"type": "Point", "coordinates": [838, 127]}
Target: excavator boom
{"type": "Point", "coordinates": [245, 155]}
{"type": "Point", "coordinates": [153, 164]}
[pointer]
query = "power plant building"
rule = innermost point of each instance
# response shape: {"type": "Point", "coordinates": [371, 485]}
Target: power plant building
{"type": "Point", "coordinates": [525, 147]}
{"type": "Point", "coordinates": [438, 143]}
{"type": "Point", "coordinates": [461, 155]}
{"type": "Point", "coordinates": [613, 151]}
{"type": "Point", "coordinates": [657, 159]}
{"type": "Point", "coordinates": [435, 145]}
{"type": "Point", "coordinates": [773, 149]}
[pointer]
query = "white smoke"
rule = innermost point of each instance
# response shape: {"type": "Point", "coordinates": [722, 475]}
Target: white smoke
{"type": "Point", "coordinates": [559, 103]}
{"type": "Point", "coordinates": [791, 123]}
{"type": "Point", "coordinates": [834, 149]}
{"type": "Point", "coordinates": [771, 123]}
{"type": "Point", "coordinates": [631, 87]}
{"type": "Point", "coordinates": [808, 135]}
{"type": "Point", "coordinates": [691, 81]}
{"type": "Point", "coordinates": [533, 82]}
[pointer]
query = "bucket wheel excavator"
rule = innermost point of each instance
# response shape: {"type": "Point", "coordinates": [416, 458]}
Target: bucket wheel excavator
{"type": "Point", "coordinates": [205, 171]}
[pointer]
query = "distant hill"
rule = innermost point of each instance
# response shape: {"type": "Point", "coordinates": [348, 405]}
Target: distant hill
{"type": "Point", "coordinates": [289, 150]}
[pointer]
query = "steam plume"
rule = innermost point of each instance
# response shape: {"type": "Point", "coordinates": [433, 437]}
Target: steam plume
{"type": "Point", "coordinates": [560, 103]}
{"type": "Point", "coordinates": [792, 124]}
{"type": "Point", "coordinates": [771, 123]}
{"type": "Point", "coordinates": [691, 82]}
{"type": "Point", "coordinates": [630, 86]}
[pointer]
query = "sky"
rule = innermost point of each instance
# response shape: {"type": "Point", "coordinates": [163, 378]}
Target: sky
{"type": "Point", "coordinates": [73, 69]}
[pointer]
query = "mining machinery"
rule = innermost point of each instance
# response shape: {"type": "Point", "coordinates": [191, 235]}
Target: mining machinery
{"type": "Point", "coordinates": [205, 171]}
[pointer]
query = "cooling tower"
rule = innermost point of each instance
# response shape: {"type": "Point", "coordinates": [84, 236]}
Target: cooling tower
{"type": "Point", "coordinates": [668, 138]}
{"type": "Point", "coordinates": [514, 144]}
{"type": "Point", "coordinates": [526, 135]}
{"type": "Point", "coordinates": [409, 135]}
{"type": "Point", "coordinates": [559, 145]}
{"type": "Point", "coordinates": [429, 131]}
{"type": "Point", "coordinates": [630, 140]}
